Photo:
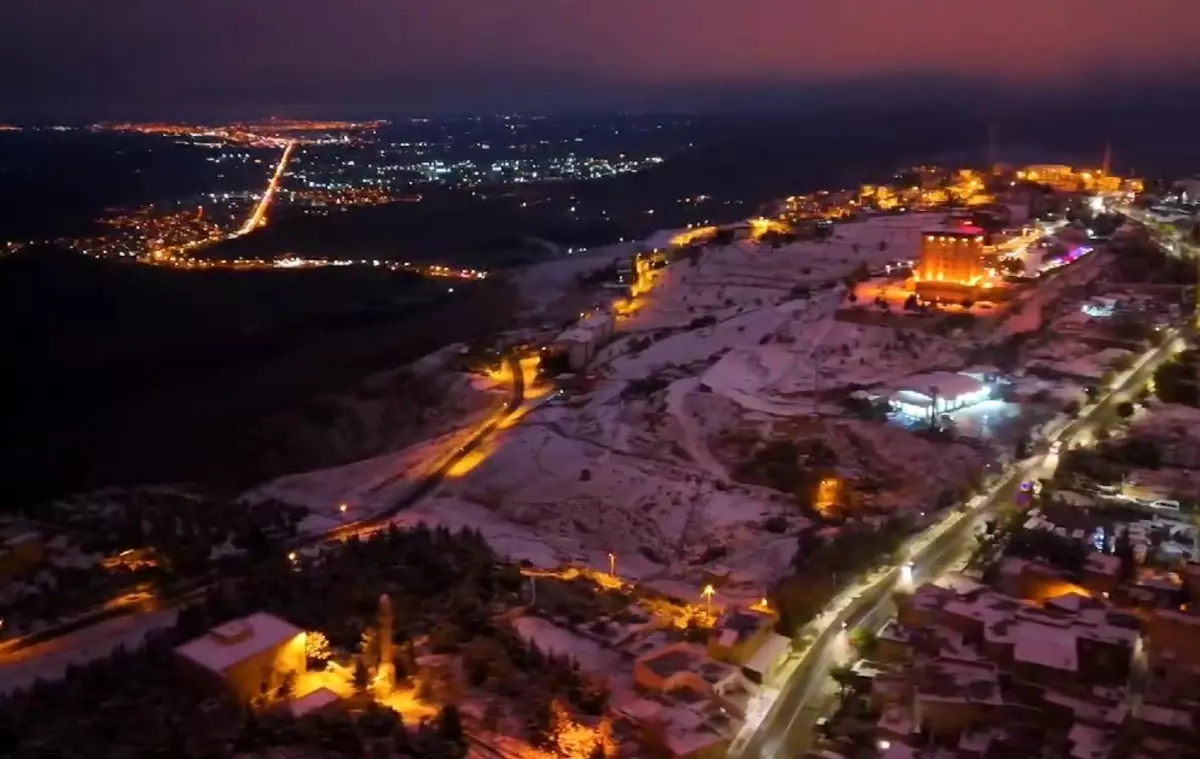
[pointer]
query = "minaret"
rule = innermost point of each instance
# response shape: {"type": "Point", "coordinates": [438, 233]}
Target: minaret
{"type": "Point", "coordinates": [1106, 166]}
{"type": "Point", "coordinates": [387, 668]}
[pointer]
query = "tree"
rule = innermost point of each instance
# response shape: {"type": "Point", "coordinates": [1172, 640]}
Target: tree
{"type": "Point", "coordinates": [845, 678]}
{"type": "Point", "coordinates": [362, 675]}
{"type": "Point", "coordinates": [450, 725]}
{"type": "Point", "coordinates": [1125, 409]}
{"type": "Point", "coordinates": [287, 686]}
{"type": "Point", "coordinates": [864, 641]}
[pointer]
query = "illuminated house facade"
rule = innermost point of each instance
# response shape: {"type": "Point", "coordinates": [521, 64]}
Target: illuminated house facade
{"type": "Point", "coordinates": [245, 657]}
{"type": "Point", "coordinates": [952, 263]}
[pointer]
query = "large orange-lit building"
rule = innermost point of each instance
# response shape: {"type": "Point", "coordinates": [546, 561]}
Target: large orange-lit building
{"type": "Point", "coordinates": [952, 263]}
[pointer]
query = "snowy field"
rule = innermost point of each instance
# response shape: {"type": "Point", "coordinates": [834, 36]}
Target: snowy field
{"type": "Point", "coordinates": [638, 466]}
{"type": "Point", "coordinates": [731, 280]}
{"type": "Point", "coordinates": [365, 487]}
{"type": "Point", "coordinates": [552, 497]}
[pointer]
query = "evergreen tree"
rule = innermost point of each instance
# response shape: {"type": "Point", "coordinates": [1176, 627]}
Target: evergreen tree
{"type": "Point", "coordinates": [450, 725]}
{"type": "Point", "coordinates": [362, 676]}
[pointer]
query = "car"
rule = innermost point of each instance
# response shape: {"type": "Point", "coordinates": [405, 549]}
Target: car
{"type": "Point", "coordinates": [1165, 505]}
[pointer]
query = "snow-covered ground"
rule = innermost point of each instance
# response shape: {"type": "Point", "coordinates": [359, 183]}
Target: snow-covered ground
{"type": "Point", "coordinates": [364, 487]}
{"type": "Point", "coordinates": [780, 377]}
{"type": "Point", "coordinates": [637, 466]}
{"type": "Point", "coordinates": [49, 661]}
{"type": "Point", "coordinates": [552, 498]}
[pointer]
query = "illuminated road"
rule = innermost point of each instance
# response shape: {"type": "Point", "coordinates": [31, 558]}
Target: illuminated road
{"type": "Point", "coordinates": [780, 726]}
{"type": "Point", "coordinates": [259, 215]}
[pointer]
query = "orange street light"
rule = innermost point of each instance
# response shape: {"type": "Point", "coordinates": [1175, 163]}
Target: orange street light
{"type": "Point", "coordinates": [342, 508]}
{"type": "Point", "coordinates": [708, 594]}
{"type": "Point", "coordinates": [612, 564]}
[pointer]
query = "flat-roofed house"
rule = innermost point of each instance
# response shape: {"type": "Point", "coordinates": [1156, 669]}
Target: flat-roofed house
{"type": "Point", "coordinates": [248, 657]}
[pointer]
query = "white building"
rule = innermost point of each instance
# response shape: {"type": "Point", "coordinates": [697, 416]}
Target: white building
{"type": "Point", "coordinates": [936, 393]}
{"type": "Point", "coordinates": [581, 341]}
{"type": "Point", "coordinates": [579, 345]}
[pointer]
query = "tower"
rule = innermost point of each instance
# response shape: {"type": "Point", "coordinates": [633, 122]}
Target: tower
{"type": "Point", "coordinates": [1106, 166]}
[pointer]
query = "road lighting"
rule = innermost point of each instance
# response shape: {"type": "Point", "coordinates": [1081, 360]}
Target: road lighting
{"type": "Point", "coordinates": [612, 564]}
{"type": "Point", "coordinates": [708, 594]}
{"type": "Point", "coordinates": [342, 508]}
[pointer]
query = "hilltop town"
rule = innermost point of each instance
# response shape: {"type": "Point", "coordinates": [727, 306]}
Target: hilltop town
{"type": "Point", "coordinates": [905, 470]}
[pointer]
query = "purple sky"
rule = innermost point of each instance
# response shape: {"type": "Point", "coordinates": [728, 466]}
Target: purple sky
{"type": "Point", "coordinates": [411, 54]}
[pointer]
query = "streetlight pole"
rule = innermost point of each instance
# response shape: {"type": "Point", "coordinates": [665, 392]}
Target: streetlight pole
{"type": "Point", "coordinates": [612, 564]}
{"type": "Point", "coordinates": [708, 594]}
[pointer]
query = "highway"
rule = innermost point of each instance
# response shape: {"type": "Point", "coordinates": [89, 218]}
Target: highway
{"type": "Point", "coordinates": [259, 215]}
{"type": "Point", "coordinates": [784, 726]}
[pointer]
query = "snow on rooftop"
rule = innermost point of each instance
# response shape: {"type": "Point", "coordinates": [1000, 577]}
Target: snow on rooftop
{"type": "Point", "coordinates": [1089, 742]}
{"type": "Point", "coordinates": [318, 699]}
{"type": "Point", "coordinates": [947, 384]}
{"type": "Point", "coordinates": [1103, 563]}
{"type": "Point", "coordinates": [1052, 647]}
{"type": "Point", "coordinates": [238, 640]}
{"type": "Point", "coordinates": [551, 638]}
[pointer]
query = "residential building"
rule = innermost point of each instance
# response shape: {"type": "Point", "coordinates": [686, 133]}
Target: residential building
{"type": "Point", "coordinates": [248, 657]}
{"type": "Point", "coordinates": [739, 633]}
{"type": "Point", "coordinates": [983, 674]}
{"type": "Point", "coordinates": [581, 341]}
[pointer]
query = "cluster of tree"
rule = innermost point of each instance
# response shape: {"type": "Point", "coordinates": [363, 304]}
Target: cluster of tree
{"type": "Point", "coordinates": [1140, 259]}
{"type": "Point", "coordinates": [1061, 551]}
{"type": "Point", "coordinates": [1175, 380]}
{"type": "Point", "coordinates": [1090, 465]}
{"type": "Point", "coordinates": [789, 467]}
{"type": "Point", "coordinates": [822, 567]}
{"type": "Point", "coordinates": [777, 239]}
{"type": "Point", "coordinates": [441, 584]}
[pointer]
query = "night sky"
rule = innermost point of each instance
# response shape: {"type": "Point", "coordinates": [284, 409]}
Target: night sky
{"type": "Point", "coordinates": [144, 56]}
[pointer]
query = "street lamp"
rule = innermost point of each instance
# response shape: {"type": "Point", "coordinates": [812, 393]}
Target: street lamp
{"type": "Point", "coordinates": [342, 508]}
{"type": "Point", "coordinates": [708, 594]}
{"type": "Point", "coordinates": [612, 564]}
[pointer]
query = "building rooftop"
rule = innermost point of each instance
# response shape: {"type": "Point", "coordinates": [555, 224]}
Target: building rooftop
{"type": "Point", "coordinates": [736, 624]}
{"type": "Point", "coordinates": [237, 640]}
{"type": "Point", "coordinates": [947, 678]}
{"type": "Point", "coordinates": [954, 230]}
{"type": "Point", "coordinates": [318, 699]}
{"type": "Point", "coordinates": [1046, 646]}
{"type": "Point", "coordinates": [1103, 564]}
{"type": "Point", "coordinates": [948, 384]}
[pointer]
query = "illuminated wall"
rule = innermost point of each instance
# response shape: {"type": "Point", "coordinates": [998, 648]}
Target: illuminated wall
{"type": "Point", "coordinates": [951, 257]}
